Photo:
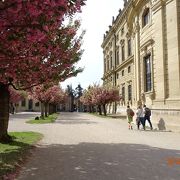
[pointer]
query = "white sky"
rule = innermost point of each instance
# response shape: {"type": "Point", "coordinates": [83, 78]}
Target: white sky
{"type": "Point", "coordinates": [96, 17]}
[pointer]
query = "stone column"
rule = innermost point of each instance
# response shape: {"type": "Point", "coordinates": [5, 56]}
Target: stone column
{"type": "Point", "coordinates": [137, 71]}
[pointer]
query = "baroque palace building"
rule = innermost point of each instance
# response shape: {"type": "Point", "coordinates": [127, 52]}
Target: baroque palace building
{"type": "Point", "coordinates": [142, 55]}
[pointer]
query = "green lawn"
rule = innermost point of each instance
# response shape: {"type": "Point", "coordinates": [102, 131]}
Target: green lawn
{"type": "Point", "coordinates": [50, 119]}
{"type": "Point", "coordinates": [12, 154]}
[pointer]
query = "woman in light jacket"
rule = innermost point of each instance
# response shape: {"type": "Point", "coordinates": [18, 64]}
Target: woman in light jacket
{"type": "Point", "coordinates": [140, 117]}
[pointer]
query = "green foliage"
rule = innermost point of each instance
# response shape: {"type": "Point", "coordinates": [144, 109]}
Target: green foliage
{"type": "Point", "coordinates": [12, 154]}
{"type": "Point", "coordinates": [50, 119]}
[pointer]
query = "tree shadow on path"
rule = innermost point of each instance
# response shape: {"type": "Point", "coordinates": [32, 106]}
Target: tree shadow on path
{"type": "Point", "coordinates": [95, 161]}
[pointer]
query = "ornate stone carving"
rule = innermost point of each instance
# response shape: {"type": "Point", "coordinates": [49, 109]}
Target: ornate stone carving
{"type": "Point", "coordinates": [122, 41]}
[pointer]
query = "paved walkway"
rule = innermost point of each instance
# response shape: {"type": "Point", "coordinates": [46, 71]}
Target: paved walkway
{"type": "Point", "coordinates": [84, 147]}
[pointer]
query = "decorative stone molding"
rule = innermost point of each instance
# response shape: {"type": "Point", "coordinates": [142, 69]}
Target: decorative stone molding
{"type": "Point", "coordinates": [151, 95]}
{"type": "Point", "coordinates": [122, 41]}
{"type": "Point", "coordinates": [136, 26]}
{"type": "Point", "coordinates": [146, 44]}
{"type": "Point", "coordinates": [128, 35]}
{"type": "Point", "coordinates": [157, 4]}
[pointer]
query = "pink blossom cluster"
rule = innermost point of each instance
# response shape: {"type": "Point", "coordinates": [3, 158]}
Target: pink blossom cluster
{"type": "Point", "coordinates": [35, 46]}
{"type": "Point", "coordinates": [53, 94]}
{"type": "Point", "coordinates": [100, 95]}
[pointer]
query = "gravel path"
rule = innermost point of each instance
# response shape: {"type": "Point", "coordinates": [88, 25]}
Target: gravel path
{"type": "Point", "coordinates": [81, 146]}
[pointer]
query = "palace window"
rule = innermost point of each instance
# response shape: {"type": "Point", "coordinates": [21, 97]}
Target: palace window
{"type": "Point", "coordinates": [37, 104]}
{"type": "Point", "coordinates": [111, 62]}
{"type": "Point", "coordinates": [145, 17]}
{"type": "Point", "coordinates": [129, 92]}
{"type": "Point", "coordinates": [123, 93]}
{"type": "Point", "coordinates": [23, 103]}
{"type": "Point", "coordinates": [147, 73]}
{"type": "Point", "coordinates": [122, 31]}
{"type": "Point", "coordinates": [129, 47]}
{"type": "Point", "coordinates": [117, 76]}
{"type": "Point", "coordinates": [122, 53]}
{"type": "Point", "coordinates": [122, 72]}
{"type": "Point", "coordinates": [129, 69]}
{"type": "Point", "coordinates": [117, 58]}
{"type": "Point", "coordinates": [107, 64]}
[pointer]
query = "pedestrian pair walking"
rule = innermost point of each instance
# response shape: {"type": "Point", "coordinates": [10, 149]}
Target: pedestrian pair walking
{"type": "Point", "coordinates": [142, 115]}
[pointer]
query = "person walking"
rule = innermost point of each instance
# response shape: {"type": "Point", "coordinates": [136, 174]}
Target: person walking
{"type": "Point", "coordinates": [147, 115]}
{"type": "Point", "coordinates": [140, 117]}
{"type": "Point", "coordinates": [130, 114]}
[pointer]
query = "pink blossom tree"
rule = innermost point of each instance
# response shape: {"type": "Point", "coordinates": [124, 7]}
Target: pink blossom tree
{"type": "Point", "coordinates": [48, 96]}
{"type": "Point", "coordinates": [59, 97]}
{"type": "Point", "coordinates": [86, 99]}
{"type": "Point", "coordinates": [35, 46]}
{"type": "Point", "coordinates": [101, 96]}
{"type": "Point", "coordinates": [41, 94]}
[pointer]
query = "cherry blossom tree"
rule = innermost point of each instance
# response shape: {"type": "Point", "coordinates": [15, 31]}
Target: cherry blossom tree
{"type": "Point", "coordinates": [36, 46]}
{"type": "Point", "coordinates": [59, 96]}
{"type": "Point", "coordinates": [48, 96]}
{"type": "Point", "coordinates": [86, 98]}
{"type": "Point", "coordinates": [41, 94]}
{"type": "Point", "coordinates": [101, 96]}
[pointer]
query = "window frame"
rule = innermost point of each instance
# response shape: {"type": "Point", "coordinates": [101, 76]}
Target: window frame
{"type": "Point", "coordinates": [123, 92]}
{"type": "Point", "coordinates": [147, 73]}
{"type": "Point", "coordinates": [23, 103]}
{"type": "Point", "coordinates": [129, 69]}
{"type": "Point", "coordinates": [129, 47]}
{"type": "Point", "coordinates": [122, 73]}
{"type": "Point", "coordinates": [146, 17]}
{"type": "Point", "coordinates": [129, 92]}
{"type": "Point", "coordinates": [123, 53]}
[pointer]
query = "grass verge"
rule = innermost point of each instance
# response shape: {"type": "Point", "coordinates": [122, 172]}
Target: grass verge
{"type": "Point", "coordinates": [13, 154]}
{"type": "Point", "coordinates": [50, 119]}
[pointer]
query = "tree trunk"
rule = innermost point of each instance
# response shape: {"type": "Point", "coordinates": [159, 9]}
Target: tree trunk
{"type": "Point", "coordinates": [50, 109]}
{"type": "Point", "coordinates": [54, 109]}
{"type": "Point", "coordinates": [104, 109]}
{"type": "Point", "coordinates": [46, 109]}
{"type": "Point", "coordinates": [42, 110]}
{"type": "Point", "coordinates": [90, 109]}
{"type": "Point", "coordinates": [4, 113]}
{"type": "Point", "coordinates": [99, 110]}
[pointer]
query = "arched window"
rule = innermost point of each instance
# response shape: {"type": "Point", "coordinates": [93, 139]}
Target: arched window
{"type": "Point", "coordinates": [145, 17]}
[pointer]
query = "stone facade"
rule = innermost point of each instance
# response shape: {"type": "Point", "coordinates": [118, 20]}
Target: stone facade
{"type": "Point", "coordinates": [27, 105]}
{"type": "Point", "coordinates": [142, 54]}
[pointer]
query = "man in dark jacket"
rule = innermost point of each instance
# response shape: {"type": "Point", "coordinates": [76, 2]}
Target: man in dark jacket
{"type": "Point", "coordinates": [147, 114]}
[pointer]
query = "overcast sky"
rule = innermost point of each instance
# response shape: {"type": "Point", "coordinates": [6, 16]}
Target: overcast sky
{"type": "Point", "coordinates": [96, 16]}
